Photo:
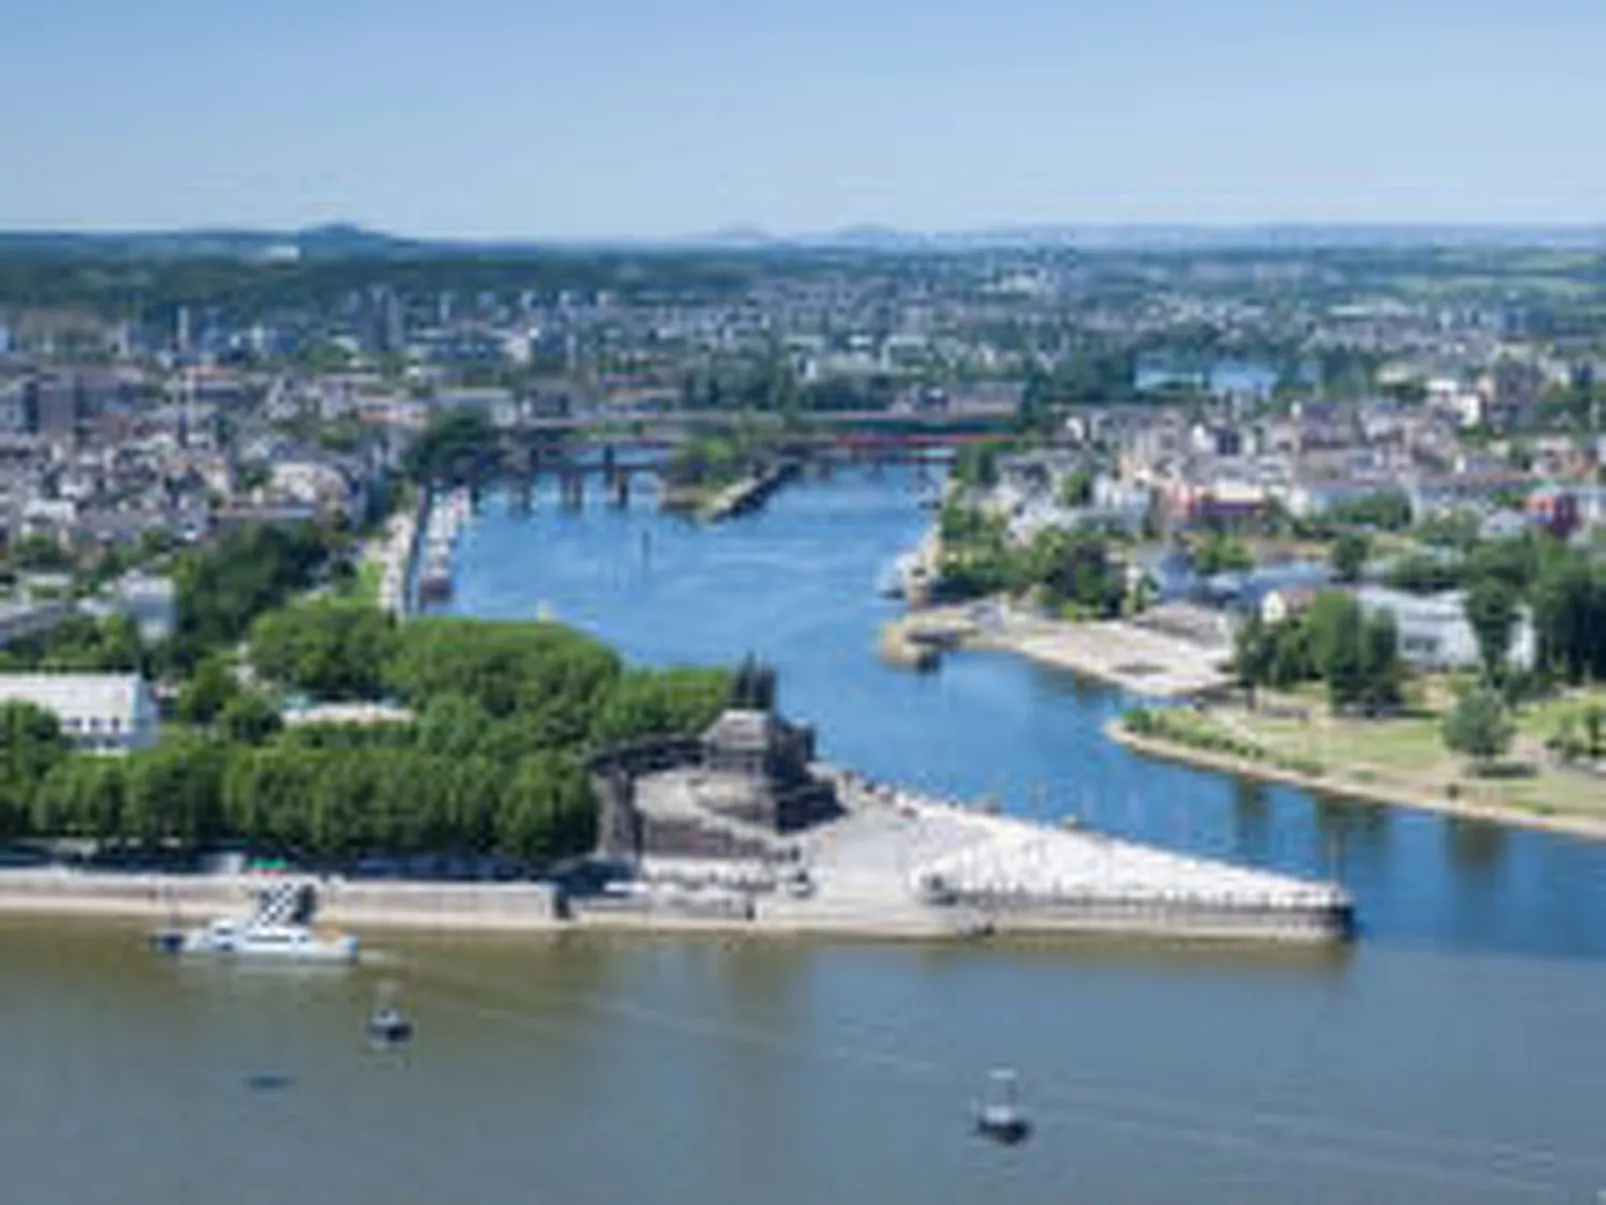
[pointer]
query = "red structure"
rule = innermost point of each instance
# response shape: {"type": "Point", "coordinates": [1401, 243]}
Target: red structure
{"type": "Point", "coordinates": [1555, 511]}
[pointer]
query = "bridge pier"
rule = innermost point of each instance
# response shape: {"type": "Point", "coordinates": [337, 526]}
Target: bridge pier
{"type": "Point", "coordinates": [571, 488]}
{"type": "Point", "coordinates": [523, 500]}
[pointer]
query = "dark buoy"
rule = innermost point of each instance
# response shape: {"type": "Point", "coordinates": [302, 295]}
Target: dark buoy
{"type": "Point", "coordinates": [388, 1026]}
{"type": "Point", "coordinates": [999, 1117]}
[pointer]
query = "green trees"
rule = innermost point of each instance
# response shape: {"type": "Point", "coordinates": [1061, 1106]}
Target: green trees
{"type": "Point", "coordinates": [1479, 726]}
{"type": "Point", "coordinates": [1581, 733]}
{"type": "Point", "coordinates": [208, 691]}
{"type": "Point", "coordinates": [1219, 553]}
{"type": "Point", "coordinates": [1093, 373]}
{"type": "Point", "coordinates": [495, 763]}
{"type": "Point", "coordinates": [1594, 725]}
{"type": "Point", "coordinates": [1382, 673]}
{"type": "Point", "coordinates": [456, 446]}
{"type": "Point", "coordinates": [1254, 651]}
{"type": "Point", "coordinates": [1356, 655]}
{"type": "Point", "coordinates": [976, 464]}
{"type": "Point", "coordinates": [1421, 573]}
{"type": "Point", "coordinates": [1349, 554]}
{"type": "Point", "coordinates": [81, 797]}
{"type": "Point", "coordinates": [330, 650]}
{"type": "Point", "coordinates": [1388, 510]}
{"type": "Point", "coordinates": [82, 644]}
{"type": "Point", "coordinates": [249, 719]}
{"type": "Point", "coordinates": [539, 669]}
{"type": "Point", "coordinates": [1337, 644]}
{"type": "Point", "coordinates": [1491, 607]}
{"type": "Point", "coordinates": [711, 461]}
{"type": "Point", "coordinates": [223, 588]}
{"type": "Point", "coordinates": [31, 746]}
{"type": "Point", "coordinates": [1562, 589]}
{"type": "Point", "coordinates": [673, 700]}
{"type": "Point", "coordinates": [1077, 489]}
{"type": "Point", "coordinates": [976, 556]}
{"type": "Point", "coordinates": [547, 810]}
{"type": "Point", "coordinates": [1076, 569]}
{"type": "Point", "coordinates": [1072, 568]}
{"type": "Point", "coordinates": [174, 790]}
{"type": "Point", "coordinates": [1569, 601]}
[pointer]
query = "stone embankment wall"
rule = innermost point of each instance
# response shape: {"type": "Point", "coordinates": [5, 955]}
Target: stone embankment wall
{"type": "Point", "coordinates": [193, 898]}
{"type": "Point", "coordinates": [1185, 919]}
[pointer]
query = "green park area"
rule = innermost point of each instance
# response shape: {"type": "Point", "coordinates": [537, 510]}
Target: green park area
{"type": "Point", "coordinates": [1544, 770]}
{"type": "Point", "coordinates": [1325, 694]}
{"type": "Point", "coordinates": [479, 750]}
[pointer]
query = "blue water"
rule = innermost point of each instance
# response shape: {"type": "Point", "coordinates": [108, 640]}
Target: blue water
{"type": "Point", "coordinates": [1226, 376]}
{"type": "Point", "coordinates": [793, 584]}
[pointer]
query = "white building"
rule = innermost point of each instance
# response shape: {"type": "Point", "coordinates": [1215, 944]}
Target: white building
{"type": "Point", "coordinates": [1434, 631]}
{"type": "Point", "coordinates": [99, 713]}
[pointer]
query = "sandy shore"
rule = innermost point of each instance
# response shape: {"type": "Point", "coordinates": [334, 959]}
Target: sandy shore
{"type": "Point", "coordinates": [1588, 827]}
{"type": "Point", "coordinates": [1123, 654]}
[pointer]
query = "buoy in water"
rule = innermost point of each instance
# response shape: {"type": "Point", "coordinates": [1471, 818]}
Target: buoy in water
{"type": "Point", "coordinates": [388, 1025]}
{"type": "Point", "coordinates": [999, 1116]}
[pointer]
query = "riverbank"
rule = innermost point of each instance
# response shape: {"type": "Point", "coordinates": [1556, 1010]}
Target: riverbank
{"type": "Point", "coordinates": [1133, 655]}
{"type": "Point", "coordinates": [1365, 783]}
{"type": "Point", "coordinates": [390, 558]}
{"type": "Point", "coordinates": [894, 864]}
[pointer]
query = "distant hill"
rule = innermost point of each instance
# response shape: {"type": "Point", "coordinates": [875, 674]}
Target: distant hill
{"type": "Point", "coordinates": [336, 241]}
{"type": "Point", "coordinates": [349, 241]}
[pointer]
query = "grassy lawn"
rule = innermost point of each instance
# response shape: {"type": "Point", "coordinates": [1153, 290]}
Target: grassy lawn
{"type": "Point", "coordinates": [363, 588]}
{"type": "Point", "coordinates": [1409, 750]}
{"type": "Point", "coordinates": [1539, 720]}
{"type": "Point", "coordinates": [1408, 743]}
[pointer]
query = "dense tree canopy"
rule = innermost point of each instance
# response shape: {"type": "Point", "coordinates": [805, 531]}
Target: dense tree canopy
{"type": "Point", "coordinates": [31, 746]}
{"type": "Point", "coordinates": [330, 650]}
{"type": "Point", "coordinates": [1066, 568]}
{"type": "Point", "coordinates": [494, 764]}
{"type": "Point", "coordinates": [457, 445]}
{"type": "Point", "coordinates": [1355, 654]}
{"type": "Point", "coordinates": [1349, 555]}
{"type": "Point", "coordinates": [223, 587]}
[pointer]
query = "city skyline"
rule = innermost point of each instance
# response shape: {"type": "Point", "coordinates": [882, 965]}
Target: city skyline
{"type": "Point", "coordinates": [622, 122]}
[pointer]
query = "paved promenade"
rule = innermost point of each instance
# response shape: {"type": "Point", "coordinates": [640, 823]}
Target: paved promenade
{"type": "Point", "coordinates": [1024, 875]}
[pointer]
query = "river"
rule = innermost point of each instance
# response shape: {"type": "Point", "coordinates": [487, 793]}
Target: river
{"type": "Point", "coordinates": [1453, 1054]}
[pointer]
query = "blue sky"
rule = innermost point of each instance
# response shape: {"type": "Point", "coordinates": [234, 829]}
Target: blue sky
{"type": "Point", "coordinates": [639, 117]}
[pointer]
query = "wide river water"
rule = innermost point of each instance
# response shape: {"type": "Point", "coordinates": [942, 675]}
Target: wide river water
{"type": "Point", "coordinates": [1457, 1052]}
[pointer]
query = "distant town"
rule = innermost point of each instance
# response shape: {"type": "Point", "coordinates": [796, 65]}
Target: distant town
{"type": "Point", "coordinates": [1327, 485]}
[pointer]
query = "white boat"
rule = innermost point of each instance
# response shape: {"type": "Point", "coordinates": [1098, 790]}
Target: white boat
{"type": "Point", "coordinates": [999, 1116]}
{"type": "Point", "coordinates": [276, 931]}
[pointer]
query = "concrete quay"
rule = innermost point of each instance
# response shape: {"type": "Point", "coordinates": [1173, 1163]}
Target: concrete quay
{"type": "Point", "coordinates": [1023, 877]}
{"type": "Point", "coordinates": [196, 898]}
{"type": "Point", "coordinates": [446, 518]}
{"type": "Point", "coordinates": [897, 864]}
{"type": "Point", "coordinates": [395, 552]}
